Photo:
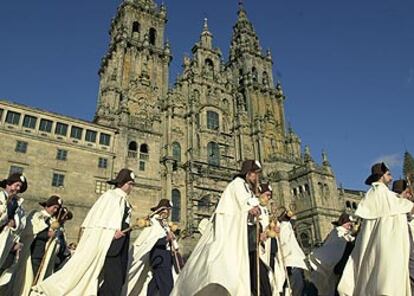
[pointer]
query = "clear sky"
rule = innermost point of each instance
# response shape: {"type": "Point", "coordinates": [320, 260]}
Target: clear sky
{"type": "Point", "coordinates": [347, 67]}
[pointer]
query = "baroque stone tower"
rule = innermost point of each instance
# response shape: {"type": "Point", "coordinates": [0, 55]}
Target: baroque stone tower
{"type": "Point", "coordinates": [187, 142]}
{"type": "Point", "coordinates": [133, 85]}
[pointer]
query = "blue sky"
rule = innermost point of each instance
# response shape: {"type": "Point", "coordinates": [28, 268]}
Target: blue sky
{"type": "Point", "coordinates": [347, 67]}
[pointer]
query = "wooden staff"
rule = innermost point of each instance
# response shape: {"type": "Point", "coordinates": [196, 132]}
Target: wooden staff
{"type": "Point", "coordinates": [54, 226]}
{"type": "Point", "coordinates": [258, 256]}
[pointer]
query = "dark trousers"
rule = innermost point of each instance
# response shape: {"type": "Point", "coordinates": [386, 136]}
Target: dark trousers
{"type": "Point", "coordinates": [115, 270]}
{"type": "Point", "coordinates": [161, 283]}
{"type": "Point", "coordinates": [265, 288]}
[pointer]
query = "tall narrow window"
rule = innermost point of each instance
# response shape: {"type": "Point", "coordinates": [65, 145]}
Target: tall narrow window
{"type": "Point", "coordinates": [213, 120]}
{"type": "Point", "coordinates": [1, 114]}
{"type": "Point", "coordinates": [132, 149]}
{"type": "Point", "coordinates": [152, 36]}
{"type": "Point", "coordinates": [176, 209]}
{"type": "Point", "coordinates": [144, 152]}
{"type": "Point", "coordinates": [213, 152]}
{"type": "Point", "coordinates": [176, 151]}
{"type": "Point", "coordinates": [13, 117]}
{"type": "Point", "coordinates": [135, 27]}
{"type": "Point", "coordinates": [254, 74]}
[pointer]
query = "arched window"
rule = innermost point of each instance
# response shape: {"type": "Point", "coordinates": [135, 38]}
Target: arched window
{"type": "Point", "coordinates": [305, 240]}
{"type": "Point", "coordinates": [354, 205]}
{"type": "Point", "coordinates": [209, 67]}
{"type": "Point", "coordinates": [213, 120]}
{"type": "Point", "coordinates": [176, 151]}
{"type": "Point", "coordinates": [132, 149]}
{"type": "Point", "coordinates": [213, 153]}
{"type": "Point", "coordinates": [240, 77]}
{"type": "Point", "coordinates": [176, 201]}
{"type": "Point", "coordinates": [348, 204]}
{"type": "Point", "coordinates": [135, 27]}
{"type": "Point", "coordinates": [143, 152]}
{"type": "Point", "coordinates": [254, 74]}
{"type": "Point", "coordinates": [307, 189]}
{"type": "Point", "coordinates": [265, 79]}
{"type": "Point", "coordinates": [152, 36]}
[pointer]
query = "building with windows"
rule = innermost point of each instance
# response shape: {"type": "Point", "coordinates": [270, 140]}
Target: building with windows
{"type": "Point", "coordinates": [184, 143]}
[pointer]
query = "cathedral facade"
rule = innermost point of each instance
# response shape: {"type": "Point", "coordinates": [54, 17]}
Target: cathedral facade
{"type": "Point", "coordinates": [185, 142]}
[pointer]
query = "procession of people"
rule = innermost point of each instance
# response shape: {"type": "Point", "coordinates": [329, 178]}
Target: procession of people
{"type": "Point", "coordinates": [245, 248]}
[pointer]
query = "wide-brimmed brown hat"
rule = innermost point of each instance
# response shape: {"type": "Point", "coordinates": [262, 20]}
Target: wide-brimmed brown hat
{"type": "Point", "coordinates": [377, 171]}
{"type": "Point", "coordinates": [250, 165]}
{"type": "Point", "coordinates": [344, 218]}
{"type": "Point", "coordinates": [54, 200]}
{"type": "Point", "coordinates": [399, 186]}
{"type": "Point", "coordinates": [163, 203]}
{"type": "Point", "coordinates": [13, 178]}
{"type": "Point", "coordinates": [266, 188]}
{"type": "Point", "coordinates": [124, 176]}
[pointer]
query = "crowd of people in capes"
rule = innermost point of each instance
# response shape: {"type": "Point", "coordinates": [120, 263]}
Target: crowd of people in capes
{"type": "Point", "coordinates": [244, 249]}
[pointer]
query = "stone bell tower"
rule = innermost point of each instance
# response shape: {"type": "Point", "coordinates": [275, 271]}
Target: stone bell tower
{"type": "Point", "coordinates": [133, 86]}
{"type": "Point", "coordinates": [134, 71]}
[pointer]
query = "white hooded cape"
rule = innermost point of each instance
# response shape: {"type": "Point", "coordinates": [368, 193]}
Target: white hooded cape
{"type": "Point", "coordinates": [378, 265]}
{"type": "Point", "coordinates": [323, 260]}
{"type": "Point", "coordinates": [139, 270]}
{"type": "Point", "coordinates": [292, 253]}
{"type": "Point", "coordinates": [219, 264]}
{"type": "Point", "coordinates": [80, 274]}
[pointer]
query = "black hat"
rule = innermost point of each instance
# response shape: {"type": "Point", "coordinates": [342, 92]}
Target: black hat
{"type": "Point", "coordinates": [124, 176]}
{"type": "Point", "coordinates": [249, 166]}
{"type": "Point", "coordinates": [163, 203]}
{"type": "Point", "coordinates": [377, 171]}
{"type": "Point", "coordinates": [344, 218]}
{"type": "Point", "coordinates": [13, 178]}
{"type": "Point", "coordinates": [54, 200]}
{"type": "Point", "coordinates": [266, 188]}
{"type": "Point", "coordinates": [399, 186]}
{"type": "Point", "coordinates": [67, 213]}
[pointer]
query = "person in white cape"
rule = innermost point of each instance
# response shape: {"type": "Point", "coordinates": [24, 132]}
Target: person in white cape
{"type": "Point", "coordinates": [378, 264]}
{"type": "Point", "coordinates": [324, 259]}
{"type": "Point", "coordinates": [402, 188]}
{"type": "Point", "coordinates": [35, 238]}
{"type": "Point", "coordinates": [151, 269]}
{"type": "Point", "coordinates": [12, 222]}
{"type": "Point", "coordinates": [99, 264]}
{"type": "Point", "coordinates": [219, 264]}
{"type": "Point", "coordinates": [293, 256]}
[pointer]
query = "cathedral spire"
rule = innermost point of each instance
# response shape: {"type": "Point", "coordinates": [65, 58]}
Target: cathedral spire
{"type": "Point", "coordinates": [206, 36]}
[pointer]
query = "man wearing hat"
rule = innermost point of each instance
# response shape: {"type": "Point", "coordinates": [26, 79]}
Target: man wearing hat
{"type": "Point", "coordinates": [325, 260]}
{"type": "Point", "coordinates": [35, 238]}
{"type": "Point", "coordinates": [293, 255]}
{"type": "Point", "coordinates": [102, 249]}
{"type": "Point", "coordinates": [219, 264]}
{"type": "Point", "coordinates": [12, 218]}
{"type": "Point", "coordinates": [152, 256]}
{"type": "Point", "coordinates": [373, 267]}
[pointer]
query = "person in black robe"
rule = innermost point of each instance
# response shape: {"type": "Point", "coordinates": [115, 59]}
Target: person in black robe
{"type": "Point", "coordinates": [38, 246]}
{"type": "Point", "coordinates": [161, 260]}
{"type": "Point", "coordinates": [116, 262]}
